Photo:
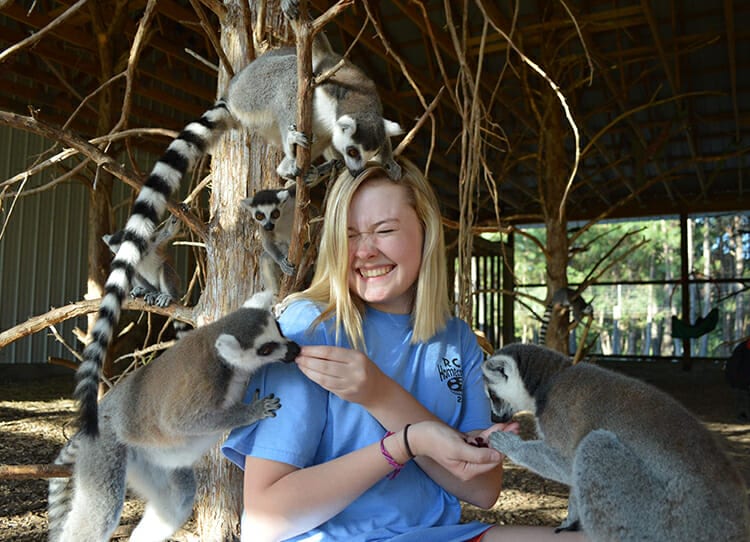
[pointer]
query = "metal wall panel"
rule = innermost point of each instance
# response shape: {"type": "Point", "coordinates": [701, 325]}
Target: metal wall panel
{"type": "Point", "coordinates": [43, 261]}
{"type": "Point", "coordinates": [42, 250]}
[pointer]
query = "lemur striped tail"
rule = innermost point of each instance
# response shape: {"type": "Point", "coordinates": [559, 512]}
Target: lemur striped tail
{"type": "Point", "coordinates": [545, 323]}
{"type": "Point", "coordinates": [60, 492]}
{"type": "Point", "coordinates": [148, 209]}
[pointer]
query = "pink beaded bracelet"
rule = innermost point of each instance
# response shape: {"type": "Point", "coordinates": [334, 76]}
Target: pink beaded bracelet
{"type": "Point", "coordinates": [388, 457]}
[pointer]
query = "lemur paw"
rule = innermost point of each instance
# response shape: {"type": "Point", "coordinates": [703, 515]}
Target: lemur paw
{"type": "Point", "coordinates": [287, 267]}
{"type": "Point", "coordinates": [266, 407]}
{"type": "Point", "coordinates": [569, 525]}
{"type": "Point", "coordinates": [157, 298]}
{"type": "Point", "coordinates": [138, 291]}
{"type": "Point", "coordinates": [288, 169]}
{"type": "Point", "coordinates": [317, 173]}
{"type": "Point", "coordinates": [504, 441]}
{"type": "Point", "coordinates": [293, 137]}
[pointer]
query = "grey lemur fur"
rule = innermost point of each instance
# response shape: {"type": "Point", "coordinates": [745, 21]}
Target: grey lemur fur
{"type": "Point", "coordinates": [154, 278]}
{"type": "Point", "coordinates": [347, 121]}
{"type": "Point", "coordinates": [157, 423]}
{"type": "Point", "coordinates": [273, 211]}
{"type": "Point", "coordinates": [639, 465]}
{"type": "Point", "coordinates": [566, 299]}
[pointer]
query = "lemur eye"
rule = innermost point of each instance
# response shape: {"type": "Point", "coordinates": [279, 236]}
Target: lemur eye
{"type": "Point", "coordinates": [275, 214]}
{"type": "Point", "coordinates": [259, 216]}
{"type": "Point", "coordinates": [266, 349]}
{"type": "Point", "coordinates": [352, 152]}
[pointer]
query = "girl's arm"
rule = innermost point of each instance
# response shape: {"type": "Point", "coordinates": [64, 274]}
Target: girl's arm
{"type": "Point", "coordinates": [354, 377]}
{"type": "Point", "coordinates": [282, 501]}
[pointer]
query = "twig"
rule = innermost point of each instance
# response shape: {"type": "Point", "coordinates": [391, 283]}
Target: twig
{"type": "Point", "coordinates": [68, 153]}
{"type": "Point", "coordinates": [404, 68]}
{"type": "Point", "coordinates": [561, 98]}
{"type": "Point", "coordinates": [135, 53]}
{"type": "Point", "coordinates": [33, 472]}
{"type": "Point", "coordinates": [81, 308]}
{"type": "Point", "coordinates": [420, 122]}
{"type": "Point", "coordinates": [91, 95]}
{"type": "Point", "coordinates": [202, 60]}
{"type": "Point", "coordinates": [36, 36]}
{"type": "Point", "coordinates": [212, 37]}
{"type": "Point", "coordinates": [100, 158]}
{"type": "Point", "coordinates": [12, 206]}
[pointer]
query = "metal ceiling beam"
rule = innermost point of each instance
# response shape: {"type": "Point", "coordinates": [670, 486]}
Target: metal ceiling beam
{"type": "Point", "coordinates": [690, 136]}
{"type": "Point", "coordinates": [732, 59]}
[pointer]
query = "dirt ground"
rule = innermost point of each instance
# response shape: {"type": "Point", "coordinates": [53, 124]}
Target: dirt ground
{"type": "Point", "coordinates": [35, 420]}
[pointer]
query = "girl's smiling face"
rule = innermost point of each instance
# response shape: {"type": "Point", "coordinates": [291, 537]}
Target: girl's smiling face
{"type": "Point", "coordinates": [385, 246]}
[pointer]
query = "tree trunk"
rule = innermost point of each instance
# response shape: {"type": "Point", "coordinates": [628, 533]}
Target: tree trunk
{"type": "Point", "coordinates": [554, 167]}
{"type": "Point", "coordinates": [240, 166]}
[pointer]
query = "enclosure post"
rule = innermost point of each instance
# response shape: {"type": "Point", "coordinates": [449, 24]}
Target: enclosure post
{"type": "Point", "coordinates": [687, 362]}
{"type": "Point", "coordinates": [508, 287]}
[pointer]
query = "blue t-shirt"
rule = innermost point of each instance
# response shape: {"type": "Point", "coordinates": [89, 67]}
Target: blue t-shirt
{"type": "Point", "coordinates": [314, 426]}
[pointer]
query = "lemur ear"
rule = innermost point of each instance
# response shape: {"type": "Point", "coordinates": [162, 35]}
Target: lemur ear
{"type": "Point", "coordinates": [347, 124]}
{"type": "Point", "coordinates": [286, 194]}
{"type": "Point", "coordinates": [246, 203]}
{"type": "Point", "coordinates": [392, 128]}
{"type": "Point", "coordinates": [259, 300]}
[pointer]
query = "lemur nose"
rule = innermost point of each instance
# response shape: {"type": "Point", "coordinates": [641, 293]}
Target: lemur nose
{"type": "Point", "coordinates": [292, 351]}
{"type": "Point", "coordinates": [268, 226]}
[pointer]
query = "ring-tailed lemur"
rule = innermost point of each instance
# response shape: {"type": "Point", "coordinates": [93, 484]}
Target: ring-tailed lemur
{"type": "Point", "coordinates": [347, 117]}
{"type": "Point", "coordinates": [273, 210]}
{"type": "Point", "coordinates": [567, 300]}
{"type": "Point", "coordinates": [640, 466]}
{"type": "Point", "coordinates": [159, 421]}
{"type": "Point", "coordinates": [154, 278]}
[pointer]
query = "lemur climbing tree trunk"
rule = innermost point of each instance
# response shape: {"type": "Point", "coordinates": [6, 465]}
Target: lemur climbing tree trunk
{"type": "Point", "coordinates": [240, 165]}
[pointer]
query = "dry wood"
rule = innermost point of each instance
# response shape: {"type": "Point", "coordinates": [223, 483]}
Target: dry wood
{"type": "Point", "coordinates": [36, 36]}
{"type": "Point", "coordinates": [81, 308]}
{"type": "Point", "coordinates": [304, 30]}
{"type": "Point", "coordinates": [33, 472]}
{"type": "Point", "coordinates": [304, 38]}
{"type": "Point", "coordinates": [101, 159]}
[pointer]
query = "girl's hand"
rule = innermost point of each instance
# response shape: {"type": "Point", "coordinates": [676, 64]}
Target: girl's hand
{"type": "Point", "coordinates": [482, 438]}
{"type": "Point", "coordinates": [348, 373]}
{"type": "Point", "coordinates": [450, 449]}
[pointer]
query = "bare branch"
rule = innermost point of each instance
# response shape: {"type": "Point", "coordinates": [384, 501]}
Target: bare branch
{"type": "Point", "coordinates": [420, 122]}
{"type": "Point", "coordinates": [212, 37]}
{"type": "Point", "coordinates": [81, 308]}
{"type": "Point", "coordinates": [560, 96]}
{"type": "Point", "coordinates": [36, 36]}
{"type": "Point", "coordinates": [135, 53]}
{"type": "Point", "coordinates": [330, 14]}
{"type": "Point", "coordinates": [100, 158]}
{"type": "Point", "coordinates": [33, 472]}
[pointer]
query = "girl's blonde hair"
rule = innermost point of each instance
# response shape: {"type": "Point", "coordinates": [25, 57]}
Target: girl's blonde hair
{"type": "Point", "coordinates": [330, 284]}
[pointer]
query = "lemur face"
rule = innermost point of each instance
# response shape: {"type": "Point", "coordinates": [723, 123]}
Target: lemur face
{"type": "Point", "coordinates": [505, 387]}
{"type": "Point", "coordinates": [267, 206]}
{"type": "Point", "coordinates": [360, 142]}
{"type": "Point", "coordinates": [254, 339]}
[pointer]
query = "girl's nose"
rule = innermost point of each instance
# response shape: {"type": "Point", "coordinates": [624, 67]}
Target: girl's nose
{"type": "Point", "coordinates": [364, 245]}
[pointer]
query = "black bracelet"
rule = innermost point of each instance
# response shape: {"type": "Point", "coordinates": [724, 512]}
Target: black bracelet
{"type": "Point", "coordinates": [406, 441]}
